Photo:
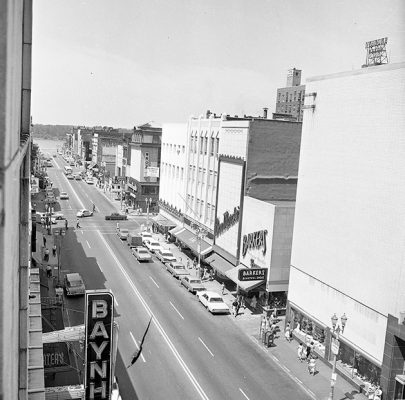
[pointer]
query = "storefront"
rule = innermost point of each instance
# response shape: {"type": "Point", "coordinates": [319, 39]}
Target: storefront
{"type": "Point", "coordinates": [190, 240]}
{"type": "Point", "coordinates": [162, 224]}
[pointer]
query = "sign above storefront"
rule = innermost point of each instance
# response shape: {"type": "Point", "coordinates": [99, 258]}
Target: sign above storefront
{"type": "Point", "coordinates": [229, 221]}
{"type": "Point", "coordinates": [252, 274]}
{"type": "Point", "coordinates": [255, 240]}
{"type": "Point", "coordinates": [99, 347]}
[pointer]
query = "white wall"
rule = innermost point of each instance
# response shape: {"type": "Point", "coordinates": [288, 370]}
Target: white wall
{"type": "Point", "coordinates": [350, 221]}
{"type": "Point", "coordinates": [136, 160]}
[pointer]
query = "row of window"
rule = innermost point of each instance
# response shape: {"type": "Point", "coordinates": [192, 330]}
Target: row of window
{"type": "Point", "coordinates": [173, 148]}
{"type": "Point", "coordinates": [172, 171]}
{"type": "Point", "coordinates": [289, 97]}
{"type": "Point", "coordinates": [202, 209]}
{"type": "Point", "coordinates": [200, 175]}
{"type": "Point", "coordinates": [200, 144]}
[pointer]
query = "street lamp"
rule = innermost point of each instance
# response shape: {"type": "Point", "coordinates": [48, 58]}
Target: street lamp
{"type": "Point", "coordinates": [336, 329]}
{"type": "Point", "coordinates": [60, 233]}
{"type": "Point", "coordinates": [148, 204]}
{"type": "Point", "coordinates": [200, 234]}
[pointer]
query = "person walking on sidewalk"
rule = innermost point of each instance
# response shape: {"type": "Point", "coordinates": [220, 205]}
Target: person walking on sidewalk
{"type": "Point", "coordinates": [312, 365]}
{"type": "Point", "coordinates": [309, 350]}
{"type": "Point", "coordinates": [287, 332]}
{"type": "Point", "coordinates": [66, 224]}
{"type": "Point", "coordinates": [77, 223]}
{"type": "Point", "coordinates": [235, 308]}
{"type": "Point", "coordinates": [46, 255]}
{"type": "Point", "coordinates": [54, 250]}
{"type": "Point", "coordinates": [300, 352]}
{"type": "Point", "coordinates": [222, 288]}
{"type": "Point", "coordinates": [44, 240]}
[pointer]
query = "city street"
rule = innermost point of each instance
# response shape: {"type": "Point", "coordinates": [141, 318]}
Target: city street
{"type": "Point", "coordinates": [188, 353]}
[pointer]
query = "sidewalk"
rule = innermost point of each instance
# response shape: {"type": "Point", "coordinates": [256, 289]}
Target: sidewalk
{"type": "Point", "coordinates": [282, 353]}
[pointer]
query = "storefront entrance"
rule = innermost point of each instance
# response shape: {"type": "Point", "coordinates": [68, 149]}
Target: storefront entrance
{"type": "Point", "coordinates": [399, 392]}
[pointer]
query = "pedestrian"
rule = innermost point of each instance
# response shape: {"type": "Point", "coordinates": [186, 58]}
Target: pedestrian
{"type": "Point", "coordinates": [44, 240]}
{"type": "Point", "coordinates": [118, 226]}
{"type": "Point", "coordinates": [243, 301]}
{"type": "Point", "coordinates": [287, 332]}
{"type": "Point", "coordinates": [49, 271]}
{"type": "Point", "coordinates": [195, 262]}
{"type": "Point", "coordinates": [188, 263]}
{"type": "Point", "coordinates": [234, 307]}
{"type": "Point", "coordinates": [309, 349]}
{"type": "Point", "coordinates": [94, 207]}
{"type": "Point", "coordinates": [54, 250]}
{"type": "Point", "coordinates": [312, 365]}
{"type": "Point", "coordinates": [77, 223]}
{"type": "Point", "coordinates": [66, 224]}
{"type": "Point", "coordinates": [222, 288]}
{"type": "Point", "coordinates": [300, 352]}
{"type": "Point", "coordinates": [46, 255]}
{"type": "Point", "coordinates": [237, 307]}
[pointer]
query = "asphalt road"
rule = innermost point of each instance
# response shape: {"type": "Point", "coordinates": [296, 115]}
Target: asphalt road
{"type": "Point", "coordinates": [188, 353]}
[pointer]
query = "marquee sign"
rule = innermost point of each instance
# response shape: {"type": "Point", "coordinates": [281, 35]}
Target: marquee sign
{"type": "Point", "coordinates": [252, 274]}
{"type": "Point", "coordinates": [99, 348]}
{"type": "Point", "coordinates": [255, 240]}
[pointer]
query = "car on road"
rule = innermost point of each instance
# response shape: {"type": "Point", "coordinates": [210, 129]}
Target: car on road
{"type": "Point", "coordinates": [57, 215]}
{"type": "Point", "coordinates": [165, 255]}
{"type": "Point", "coordinates": [177, 269]}
{"type": "Point", "coordinates": [89, 181]}
{"type": "Point", "coordinates": [116, 216]}
{"type": "Point", "coordinates": [123, 233]}
{"type": "Point", "coordinates": [78, 177]}
{"type": "Point", "coordinates": [192, 284]}
{"type": "Point", "coordinates": [74, 285]}
{"type": "Point", "coordinates": [213, 302]}
{"type": "Point", "coordinates": [70, 176]}
{"type": "Point", "coordinates": [141, 254]}
{"type": "Point", "coordinates": [152, 245]}
{"type": "Point", "coordinates": [63, 196]}
{"type": "Point", "coordinates": [84, 213]}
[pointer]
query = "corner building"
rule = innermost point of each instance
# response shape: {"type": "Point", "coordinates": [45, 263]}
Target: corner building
{"type": "Point", "coordinates": [348, 253]}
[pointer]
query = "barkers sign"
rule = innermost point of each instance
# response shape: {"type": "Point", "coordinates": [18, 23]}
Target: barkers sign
{"type": "Point", "coordinates": [99, 336]}
{"type": "Point", "coordinates": [252, 274]}
{"type": "Point", "coordinates": [254, 240]}
{"type": "Point", "coordinates": [229, 221]}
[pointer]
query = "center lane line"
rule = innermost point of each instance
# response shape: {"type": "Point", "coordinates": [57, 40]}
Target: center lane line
{"type": "Point", "coordinates": [209, 351]}
{"type": "Point", "coordinates": [137, 346]}
{"type": "Point", "coordinates": [154, 282]}
{"type": "Point", "coordinates": [243, 393]}
{"type": "Point", "coordinates": [88, 244]}
{"type": "Point", "coordinates": [178, 312]}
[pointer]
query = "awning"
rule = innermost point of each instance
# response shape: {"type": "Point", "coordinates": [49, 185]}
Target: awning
{"type": "Point", "coordinates": [163, 221]}
{"type": "Point", "coordinates": [245, 285]}
{"type": "Point", "coordinates": [219, 263]}
{"type": "Point", "coordinates": [175, 230]}
{"type": "Point", "coordinates": [189, 239]}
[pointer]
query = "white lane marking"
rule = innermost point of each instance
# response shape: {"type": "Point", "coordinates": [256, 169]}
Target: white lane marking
{"type": "Point", "coordinates": [81, 232]}
{"type": "Point", "coordinates": [154, 282]}
{"type": "Point", "coordinates": [243, 393]}
{"type": "Point", "coordinates": [209, 351]}
{"type": "Point", "coordinates": [137, 346]}
{"type": "Point", "coordinates": [156, 322]}
{"type": "Point", "coordinates": [178, 312]}
{"type": "Point", "coordinates": [88, 244]}
{"type": "Point", "coordinates": [285, 369]}
{"type": "Point", "coordinates": [116, 302]}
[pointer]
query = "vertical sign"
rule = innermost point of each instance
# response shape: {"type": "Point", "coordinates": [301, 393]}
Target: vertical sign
{"type": "Point", "coordinates": [99, 336]}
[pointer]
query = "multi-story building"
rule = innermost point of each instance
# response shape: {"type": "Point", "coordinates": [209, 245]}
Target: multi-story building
{"type": "Point", "coordinates": [21, 366]}
{"type": "Point", "coordinates": [348, 254]}
{"type": "Point", "coordinates": [143, 166]}
{"type": "Point", "coordinates": [290, 99]}
{"type": "Point", "coordinates": [172, 175]}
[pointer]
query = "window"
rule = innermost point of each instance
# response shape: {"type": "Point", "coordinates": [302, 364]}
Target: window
{"type": "Point", "coordinates": [212, 146]}
{"type": "Point", "coordinates": [205, 145]}
{"type": "Point", "coordinates": [183, 148]}
{"type": "Point", "coordinates": [182, 173]}
{"type": "Point", "coordinates": [208, 215]}
{"type": "Point", "coordinates": [199, 175]}
{"type": "Point", "coordinates": [215, 179]}
{"type": "Point", "coordinates": [201, 144]}
{"type": "Point", "coordinates": [212, 214]}
{"type": "Point", "coordinates": [216, 146]}
{"type": "Point", "coordinates": [202, 208]}
{"type": "Point", "coordinates": [149, 190]}
{"type": "Point", "coordinates": [198, 208]}
{"type": "Point", "coordinates": [203, 175]}
{"type": "Point", "coordinates": [177, 172]}
{"type": "Point", "coordinates": [191, 144]}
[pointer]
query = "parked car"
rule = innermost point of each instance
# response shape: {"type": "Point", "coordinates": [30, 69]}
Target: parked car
{"type": "Point", "coordinates": [213, 302]}
{"type": "Point", "coordinates": [146, 235]}
{"type": "Point", "coordinates": [141, 253]}
{"type": "Point", "coordinates": [134, 240]}
{"type": "Point", "coordinates": [74, 284]}
{"type": "Point", "coordinates": [165, 255]}
{"type": "Point", "coordinates": [63, 196]}
{"type": "Point", "coordinates": [177, 269]}
{"type": "Point", "coordinates": [152, 245]}
{"type": "Point", "coordinates": [192, 284]}
{"type": "Point", "coordinates": [89, 181]}
{"type": "Point", "coordinates": [123, 233]}
{"type": "Point", "coordinates": [116, 216]}
{"type": "Point", "coordinates": [84, 213]}
{"type": "Point", "coordinates": [70, 176]}
{"type": "Point", "coordinates": [78, 177]}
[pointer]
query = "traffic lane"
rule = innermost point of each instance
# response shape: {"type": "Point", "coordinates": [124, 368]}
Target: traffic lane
{"type": "Point", "coordinates": [225, 345]}
{"type": "Point", "coordinates": [160, 355]}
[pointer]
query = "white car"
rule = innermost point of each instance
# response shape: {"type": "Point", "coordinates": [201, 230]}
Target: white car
{"type": "Point", "coordinates": [84, 213]}
{"type": "Point", "coordinates": [177, 269]}
{"type": "Point", "coordinates": [141, 254]}
{"type": "Point", "coordinates": [165, 255]}
{"type": "Point", "coordinates": [123, 233]}
{"type": "Point", "coordinates": [89, 181]}
{"type": "Point", "coordinates": [63, 196]}
{"type": "Point", "coordinates": [146, 235]}
{"type": "Point", "coordinates": [152, 245]}
{"type": "Point", "coordinates": [213, 302]}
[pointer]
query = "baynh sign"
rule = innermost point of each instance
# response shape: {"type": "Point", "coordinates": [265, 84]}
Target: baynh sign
{"type": "Point", "coordinates": [255, 240]}
{"type": "Point", "coordinates": [99, 336]}
{"type": "Point", "coordinates": [252, 274]}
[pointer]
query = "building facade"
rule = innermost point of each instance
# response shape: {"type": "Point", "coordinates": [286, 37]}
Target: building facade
{"type": "Point", "coordinates": [21, 367]}
{"type": "Point", "coordinates": [348, 254]}
{"type": "Point", "coordinates": [290, 99]}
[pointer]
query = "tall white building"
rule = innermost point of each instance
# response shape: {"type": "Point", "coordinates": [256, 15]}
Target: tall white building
{"type": "Point", "coordinates": [348, 244]}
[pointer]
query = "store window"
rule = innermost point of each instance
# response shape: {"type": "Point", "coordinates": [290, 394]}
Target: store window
{"type": "Point", "coordinates": [150, 190]}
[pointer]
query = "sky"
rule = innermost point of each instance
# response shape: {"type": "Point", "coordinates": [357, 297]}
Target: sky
{"type": "Point", "coordinates": [127, 62]}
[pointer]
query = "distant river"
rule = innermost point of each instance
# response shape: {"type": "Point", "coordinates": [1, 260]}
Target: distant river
{"type": "Point", "coordinates": [48, 146]}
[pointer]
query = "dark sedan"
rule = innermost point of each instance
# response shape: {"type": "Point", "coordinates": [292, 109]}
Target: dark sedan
{"type": "Point", "coordinates": [116, 216]}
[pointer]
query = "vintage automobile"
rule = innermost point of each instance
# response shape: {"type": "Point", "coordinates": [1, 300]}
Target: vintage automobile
{"type": "Point", "coordinates": [74, 285]}
{"type": "Point", "coordinates": [192, 284]}
{"type": "Point", "coordinates": [116, 216]}
{"type": "Point", "coordinates": [84, 213]}
{"type": "Point", "coordinates": [141, 254]}
{"type": "Point", "coordinates": [213, 302]}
